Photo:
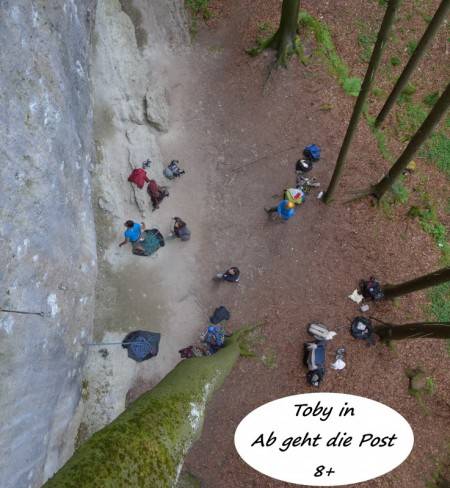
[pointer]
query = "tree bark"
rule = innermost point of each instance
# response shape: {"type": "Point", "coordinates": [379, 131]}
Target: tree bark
{"type": "Point", "coordinates": [439, 17]}
{"type": "Point", "coordinates": [417, 140]}
{"type": "Point", "coordinates": [283, 41]}
{"type": "Point", "coordinates": [383, 34]}
{"type": "Point", "coordinates": [418, 330]}
{"type": "Point", "coordinates": [432, 279]}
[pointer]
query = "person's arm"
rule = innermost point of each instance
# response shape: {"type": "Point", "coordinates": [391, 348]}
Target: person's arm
{"type": "Point", "coordinates": [123, 243]}
{"type": "Point", "coordinates": [142, 225]}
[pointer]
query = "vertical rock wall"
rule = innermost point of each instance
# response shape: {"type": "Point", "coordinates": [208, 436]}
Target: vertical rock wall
{"type": "Point", "coordinates": [47, 234]}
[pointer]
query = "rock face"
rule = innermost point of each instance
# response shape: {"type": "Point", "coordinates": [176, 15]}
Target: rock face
{"type": "Point", "coordinates": [47, 234]}
{"type": "Point", "coordinates": [48, 239]}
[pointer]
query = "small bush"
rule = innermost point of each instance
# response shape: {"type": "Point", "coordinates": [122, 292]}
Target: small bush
{"type": "Point", "coordinates": [400, 194]}
{"type": "Point", "coordinates": [352, 86]}
{"type": "Point", "coordinates": [395, 61]}
{"type": "Point", "coordinates": [411, 47]}
{"type": "Point", "coordinates": [431, 99]}
{"type": "Point", "coordinates": [438, 150]}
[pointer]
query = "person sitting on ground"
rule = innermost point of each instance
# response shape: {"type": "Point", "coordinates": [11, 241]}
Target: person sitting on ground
{"type": "Point", "coordinates": [133, 233]}
{"type": "Point", "coordinates": [285, 209]}
{"type": "Point", "coordinates": [181, 230]}
{"type": "Point", "coordinates": [231, 275]}
{"type": "Point", "coordinates": [157, 193]}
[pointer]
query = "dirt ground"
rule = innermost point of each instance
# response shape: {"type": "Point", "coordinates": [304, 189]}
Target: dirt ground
{"type": "Point", "coordinates": [245, 137]}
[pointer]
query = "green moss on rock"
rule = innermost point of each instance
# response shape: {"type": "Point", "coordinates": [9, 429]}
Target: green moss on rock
{"type": "Point", "coordinates": [145, 446]}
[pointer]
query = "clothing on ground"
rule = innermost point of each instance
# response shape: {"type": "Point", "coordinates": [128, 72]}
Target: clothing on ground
{"type": "Point", "coordinates": [139, 177]}
{"type": "Point", "coordinates": [133, 233]}
{"type": "Point", "coordinates": [285, 212]}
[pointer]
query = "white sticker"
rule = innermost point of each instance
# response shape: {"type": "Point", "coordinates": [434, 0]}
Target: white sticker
{"type": "Point", "coordinates": [324, 439]}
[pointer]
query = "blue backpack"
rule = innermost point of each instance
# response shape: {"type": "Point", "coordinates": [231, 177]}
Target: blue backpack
{"type": "Point", "coordinates": [312, 152]}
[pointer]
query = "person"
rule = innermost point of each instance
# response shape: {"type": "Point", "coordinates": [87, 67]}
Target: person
{"type": "Point", "coordinates": [285, 209]}
{"type": "Point", "coordinates": [181, 230]}
{"type": "Point", "coordinates": [231, 275]}
{"type": "Point", "coordinates": [133, 232]}
{"type": "Point", "coordinates": [294, 195]}
{"type": "Point", "coordinates": [157, 193]}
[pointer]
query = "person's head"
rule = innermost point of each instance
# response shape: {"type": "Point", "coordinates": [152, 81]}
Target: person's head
{"type": "Point", "coordinates": [290, 205]}
{"type": "Point", "coordinates": [178, 223]}
{"type": "Point", "coordinates": [129, 224]}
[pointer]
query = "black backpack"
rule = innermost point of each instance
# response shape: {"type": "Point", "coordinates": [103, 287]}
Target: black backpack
{"type": "Point", "coordinates": [361, 328]}
{"type": "Point", "coordinates": [371, 289]}
{"type": "Point", "coordinates": [220, 314]}
{"type": "Point", "coordinates": [304, 165]}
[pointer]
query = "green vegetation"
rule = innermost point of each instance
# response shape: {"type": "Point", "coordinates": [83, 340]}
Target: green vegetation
{"type": "Point", "coordinates": [411, 47]}
{"type": "Point", "coordinates": [266, 27]}
{"type": "Point", "coordinates": [378, 92]}
{"type": "Point", "coordinates": [145, 446]}
{"type": "Point", "coordinates": [400, 193]}
{"type": "Point", "coordinates": [395, 61]}
{"type": "Point", "coordinates": [198, 9]}
{"type": "Point", "coordinates": [326, 48]}
{"type": "Point", "coordinates": [366, 41]}
{"type": "Point", "coordinates": [430, 99]}
{"type": "Point", "coordinates": [437, 150]}
{"type": "Point", "coordinates": [406, 94]}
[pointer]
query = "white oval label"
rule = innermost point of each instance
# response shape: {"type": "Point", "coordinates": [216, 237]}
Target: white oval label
{"type": "Point", "coordinates": [324, 439]}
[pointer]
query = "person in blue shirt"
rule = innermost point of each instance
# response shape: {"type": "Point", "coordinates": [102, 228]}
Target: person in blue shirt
{"type": "Point", "coordinates": [285, 209]}
{"type": "Point", "coordinates": [133, 232]}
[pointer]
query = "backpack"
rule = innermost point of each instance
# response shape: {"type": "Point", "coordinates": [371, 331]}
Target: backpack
{"type": "Point", "coordinates": [173, 170]}
{"type": "Point", "coordinates": [312, 152]}
{"type": "Point", "coordinates": [220, 314]}
{"type": "Point", "coordinates": [304, 165]}
{"type": "Point", "coordinates": [320, 332]}
{"type": "Point", "coordinates": [361, 328]}
{"type": "Point", "coordinates": [314, 359]}
{"type": "Point", "coordinates": [371, 289]}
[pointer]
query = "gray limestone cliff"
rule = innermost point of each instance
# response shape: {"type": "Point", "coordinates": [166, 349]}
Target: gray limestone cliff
{"type": "Point", "coordinates": [48, 242]}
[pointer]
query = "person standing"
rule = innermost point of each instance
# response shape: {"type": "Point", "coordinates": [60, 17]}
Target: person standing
{"type": "Point", "coordinates": [285, 210]}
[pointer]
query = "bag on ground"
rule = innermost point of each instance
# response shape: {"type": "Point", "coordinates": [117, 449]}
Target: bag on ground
{"type": "Point", "coordinates": [320, 332]}
{"type": "Point", "coordinates": [220, 314]}
{"type": "Point", "coordinates": [312, 152]}
{"type": "Point", "coordinates": [371, 289]}
{"type": "Point", "coordinates": [361, 328]}
{"type": "Point", "coordinates": [314, 359]}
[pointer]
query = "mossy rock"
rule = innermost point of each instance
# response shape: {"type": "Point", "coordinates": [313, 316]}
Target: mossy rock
{"type": "Point", "coordinates": [146, 445]}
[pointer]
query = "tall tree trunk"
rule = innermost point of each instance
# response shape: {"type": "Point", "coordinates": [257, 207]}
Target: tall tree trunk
{"type": "Point", "coordinates": [433, 26]}
{"type": "Point", "coordinates": [418, 330]}
{"type": "Point", "coordinates": [432, 279]}
{"type": "Point", "coordinates": [363, 94]}
{"type": "Point", "coordinates": [417, 140]}
{"type": "Point", "coordinates": [284, 39]}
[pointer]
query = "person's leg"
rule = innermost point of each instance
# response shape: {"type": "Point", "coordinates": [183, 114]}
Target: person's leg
{"type": "Point", "coordinates": [271, 210]}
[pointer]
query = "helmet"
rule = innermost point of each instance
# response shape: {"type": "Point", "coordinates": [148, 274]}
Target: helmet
{"type": "Point", "coordinates": [290, 204]}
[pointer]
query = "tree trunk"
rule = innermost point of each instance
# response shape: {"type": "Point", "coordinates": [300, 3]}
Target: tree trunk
{"type": "Point", "coordinates": [363, 94]}
{"type": "Point", "coordinates": [283, 41]}
{"type": "Point", "coordinates": [144, 447]}
{"type": "Point", "coordinates": [417, 140]}
{"type": "Point", "coordinates": [432, 279]}
{"type": "Point", "coordinates": [439, 17]}
{"type": "Point", "coordinates": [419, 330]}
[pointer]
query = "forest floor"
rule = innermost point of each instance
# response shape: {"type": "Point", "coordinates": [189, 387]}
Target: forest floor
{"type": "Point", "coordinates": [303, 270]}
